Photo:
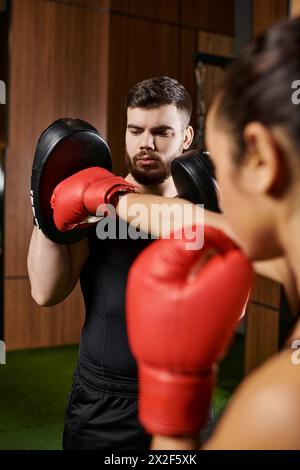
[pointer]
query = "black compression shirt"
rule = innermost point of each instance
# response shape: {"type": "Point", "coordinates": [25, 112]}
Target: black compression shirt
{"type": "Point", "coordinates": [104, 348]}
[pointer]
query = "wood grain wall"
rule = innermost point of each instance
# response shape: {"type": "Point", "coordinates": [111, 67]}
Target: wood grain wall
{"type": "Point", "coordinates": [4, 22]}
{"type": "Point", "coordinates": [268, 12]}
{"type": "Point", "coordinates": [58, 67]}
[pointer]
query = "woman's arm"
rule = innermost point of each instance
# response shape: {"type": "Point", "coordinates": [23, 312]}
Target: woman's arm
{"type": "Point", "coordinates": [148, 212]}
{"type": "Point", "coordinates": [160, 216]}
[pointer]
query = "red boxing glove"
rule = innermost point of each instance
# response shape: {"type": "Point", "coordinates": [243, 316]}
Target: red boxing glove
{"type": "Point", "coordinates": [182, 308]}
{"type": "Point", "coordinates": [76, 198]}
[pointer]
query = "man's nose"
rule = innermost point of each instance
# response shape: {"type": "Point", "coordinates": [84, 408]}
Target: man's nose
{"type": "Point", "coordinates": [147, 141]}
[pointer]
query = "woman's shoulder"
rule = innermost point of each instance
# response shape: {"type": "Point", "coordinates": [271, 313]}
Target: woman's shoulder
{"type": "Point", "coordinates": [264, 413]}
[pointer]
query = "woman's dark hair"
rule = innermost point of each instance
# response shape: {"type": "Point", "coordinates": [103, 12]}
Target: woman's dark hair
{"type": "Point", "coordinates": [159, 91]}
{"type": "Point", "coordinates": [258, 85]}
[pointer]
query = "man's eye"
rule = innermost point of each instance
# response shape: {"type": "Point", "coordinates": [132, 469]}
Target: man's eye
{"type": "Point", "coordinates": [135, 132]}
{"type": "Point", "coordinates": [164, 134]}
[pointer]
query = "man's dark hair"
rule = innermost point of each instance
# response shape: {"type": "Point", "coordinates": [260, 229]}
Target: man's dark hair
{"type": "Point", "coordinates": [159, 91]}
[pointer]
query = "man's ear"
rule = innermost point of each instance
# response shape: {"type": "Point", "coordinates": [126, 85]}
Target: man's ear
{"type": "Point", "coordinates": [265, 169]}
{"type": "Point", "coordinates": [188, 137]}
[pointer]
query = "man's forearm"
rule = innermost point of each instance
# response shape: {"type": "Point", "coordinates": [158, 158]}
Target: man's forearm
{"type": "Point", "coordinates": [49, 269]}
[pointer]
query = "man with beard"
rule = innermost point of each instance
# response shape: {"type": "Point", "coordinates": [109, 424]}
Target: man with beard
{"type": "Point", "coordinates": [158, 130]}
{"type": "Point", "coordinates": [101, 413]}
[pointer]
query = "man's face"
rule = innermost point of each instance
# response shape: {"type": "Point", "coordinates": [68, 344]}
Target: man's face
{"type": "Point", "coordinates": [154, 137]}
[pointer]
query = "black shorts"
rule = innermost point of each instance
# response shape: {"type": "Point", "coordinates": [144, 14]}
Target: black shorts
{"type": "Point", "coordinates": [102, 415]}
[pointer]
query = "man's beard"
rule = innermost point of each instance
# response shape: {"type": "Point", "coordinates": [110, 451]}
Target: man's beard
{"type": "Point", "coordinates": [155, 172]}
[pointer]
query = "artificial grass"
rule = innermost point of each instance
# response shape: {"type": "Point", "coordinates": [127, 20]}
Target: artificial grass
{"type": "Point", "coordinates": [231, 373]}
{"type": "Point", "coordinates": [34, 387]}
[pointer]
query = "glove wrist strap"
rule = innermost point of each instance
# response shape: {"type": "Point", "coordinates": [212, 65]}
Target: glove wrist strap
{"type": "Point", "coordinates": [174, 404]}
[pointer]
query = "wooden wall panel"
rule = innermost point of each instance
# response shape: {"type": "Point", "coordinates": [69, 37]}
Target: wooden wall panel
{"type": "Point", "coordinates": [267, 292]}
{"type": "Point", "coordinates": [4, 26]}
{"type": "Point", "coordinates": [85, 3]}
{"type": "Point", "coordinates": [58, 68]}
{"type": "Point", "coordinates": [215, 16]}
{"type": "Point", "coordinates": [268, 12]}
{"type": "Point", "coordinates": [261, 336]}
{"type": "Point", "coordinates": [188, 48]}
{"type": "Point", "coordinates": [160, 10]}
{"type": "Point", "coordinates": [138, 50]}
{"type": "Point", "coordinates": [27, 325]}
{"type": "Point", "coordinates": [269, 319]}
{"type": "Point", "coordinates": [218, 44]}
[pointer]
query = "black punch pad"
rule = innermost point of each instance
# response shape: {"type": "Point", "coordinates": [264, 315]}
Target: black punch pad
{"type": "Point", "coordinates": [193, 176]}
{"type": "Point", "coordinates": [64, 148]}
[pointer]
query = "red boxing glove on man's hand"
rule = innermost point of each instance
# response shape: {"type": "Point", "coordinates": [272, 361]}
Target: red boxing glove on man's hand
{"type": "Point", "coordinates": [182, 308]}
{"type": "Point", "coordinates": [76, 198]}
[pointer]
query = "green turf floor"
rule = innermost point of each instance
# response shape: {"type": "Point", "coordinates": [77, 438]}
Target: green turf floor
{"type": "Point", "coordinates": [34, 386]}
